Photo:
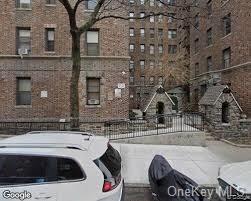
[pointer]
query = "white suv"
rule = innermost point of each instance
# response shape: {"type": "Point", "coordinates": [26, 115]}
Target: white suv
{"type": "Point", "coordinates": [59, 166]}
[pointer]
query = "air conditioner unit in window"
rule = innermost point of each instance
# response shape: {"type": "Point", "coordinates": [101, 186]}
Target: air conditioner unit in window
{"type": "Point", "coordinates": [23, 51]}
{"type": "Point", "coordinates": [93, 102]}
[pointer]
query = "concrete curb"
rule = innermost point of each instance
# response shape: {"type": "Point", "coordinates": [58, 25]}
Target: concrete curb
{"type": "Point", "coordinates": [147, 186]}
{"type": "Point", "coordinates": [236, 145]}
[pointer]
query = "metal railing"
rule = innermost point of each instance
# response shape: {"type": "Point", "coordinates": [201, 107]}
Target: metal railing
{"type": "Point", "coordinates": [154, 125]}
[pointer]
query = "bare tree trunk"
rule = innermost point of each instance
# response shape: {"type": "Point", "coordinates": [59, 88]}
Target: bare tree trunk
{"type": "Point", "coordinates": [74, 92]}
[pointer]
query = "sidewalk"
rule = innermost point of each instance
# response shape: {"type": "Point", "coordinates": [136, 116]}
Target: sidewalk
{"type": "Point", "coordinates": [198, 163]}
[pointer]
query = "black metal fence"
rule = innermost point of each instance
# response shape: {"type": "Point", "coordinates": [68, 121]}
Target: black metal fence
{"type": "Point", "coordinates": [17, 128]}
{"type": "Point", "coordinates": [118, 129]}
{"type": "Point", "coordinates": [155, 125]}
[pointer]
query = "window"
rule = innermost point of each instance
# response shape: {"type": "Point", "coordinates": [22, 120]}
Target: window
{"type": "Point", "coordinates": [151, 17]}
{"type": "Point", "coordinates": [151, 49]}
{"type": "Point", "coordinates": [50, 39]}
{"type": "Point", "coordinates": [131, 65]}
{"type": "Point", "coordinates": [171, 17]}
{"type": "Point", "coordinates": [142, 48]}
{"type": "Point", "coordinates": [196, 21]}
{"type": "Point", "coordinates": [209, 36]}
{"type": "Point", "coordinates": [151, 64]}
{"type": "Point", "coordinates": [160, 64]}
{"type": "Point", "coordinates": [142, 15]}
{"type": "Point", "coordinates": [37, 169]}
{"type": "Point", "coordinates": [142, 32]}
{"type": "Point", "coordinates": [51, 2]}
{"type": "Point", "coordinates": [131, 79]}
{"type": "Point", "coordinates": [160, 18]}
{"type": "Point", "coordinates": [152, 33]}
{"type": "Point", "coordinates": [93, 91]}
{"type": "Point", "coordinates": [23, 40]}
{"type": "Point", "coordinates": [209, 8]}
{"type": "Point", "coordinates": [142, 2]}
{"type": "Point", "coordinates": [225, 112]}
{"type": "Point", "coordinates": [160, 49]}
{"type": "Point", "coordinates": [196, 69]}
{"type": "Point", "coordinates": [172, 33]}
{"type": "Point", "coordinates": [171, 2]}
{"type": "Point", "coordinates": [196, 46]}
{"type": "Point", "coordinates": [142, 79]}
{"type": "Point", "coordinates": [23, 91]}
{"type": "Point", "coordinates": [226, 58]}
{"type": "Point", "coordinates": [152, 2]}
{"type": "Point", "coordinates": [131, 1]}
{"type": "Point", "coordinates": [209, 63]}
{"type": "Point", "coordinates": [142, 65]}
{"type": "Point", "coordinates": [172, 49]}
{"type": "Point", "coordinates": [131, 46]}
{"type": "Point", "coordinates": [131, 31]}
{"type": "Point", "coordinates": [151, 80]}
{"type": "Point", "coordinates": [160, 33]}
{"type": "Point", "coordinates": [160, 81]}
{"type": "Point", "coordinates": [92, 43]}
{"type": "Point", "coordinates": [203, 89]}
{"type": "Point", "coordinates": [23, 4]}
{"type": "Point", "coordinates": [131, 15]}
{"type": "Point", "coordinates": [91, 4]}
{"type": "Point", "coordinates": [227, 24]}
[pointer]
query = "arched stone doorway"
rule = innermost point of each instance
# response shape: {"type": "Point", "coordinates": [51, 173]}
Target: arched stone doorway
{"type": "Point", "coordinates": [225, 112]}
{"type": "Point", "coordinates": [160, 110]}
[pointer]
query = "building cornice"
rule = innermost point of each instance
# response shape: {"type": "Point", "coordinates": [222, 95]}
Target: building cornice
{"type": "Point", "coordinates": [243, 65]}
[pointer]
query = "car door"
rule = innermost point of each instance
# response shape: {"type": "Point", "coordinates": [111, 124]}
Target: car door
{"type": "Point", "coordinates": [27, 177]}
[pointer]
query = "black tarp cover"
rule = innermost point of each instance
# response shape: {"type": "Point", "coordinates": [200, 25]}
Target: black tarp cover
{"type": "Point", "coordinates": [166, 182]}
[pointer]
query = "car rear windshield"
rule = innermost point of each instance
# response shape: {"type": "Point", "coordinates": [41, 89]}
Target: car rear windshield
{"type": "Point", "coordinates": [20, 169]}
{"type": "Point", "coordinates": [110, 162]}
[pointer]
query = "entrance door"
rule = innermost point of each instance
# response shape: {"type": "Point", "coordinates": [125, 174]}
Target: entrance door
{"type": "Point", "coordinates": [160, 112]}
{"type": "Point", "coordinates": [175, 100]}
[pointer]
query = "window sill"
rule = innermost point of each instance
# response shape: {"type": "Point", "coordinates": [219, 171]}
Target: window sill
{"type": "Point", "coordinates": [49, 52]}
{"type": "Point", "coordinates": [88, 11]}
{"type": "Point", "coordinates": [23, 9]}
{"type": "Point", "coordinates": [50, 5]}
{"type": "Point", "coordinates": [92, 106]}
{"type": "Point", "coordinates": [23, 106]}
{"type": "Point", "coordinates": [226, 124]}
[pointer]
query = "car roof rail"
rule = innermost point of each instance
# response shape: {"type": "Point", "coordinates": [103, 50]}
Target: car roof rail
{"type": "Point", "coordinates": [62, 132]}
{"type": "Point", "coordinates": [37, 145]}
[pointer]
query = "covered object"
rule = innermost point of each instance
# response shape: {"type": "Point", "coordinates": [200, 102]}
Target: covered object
{"type": "Point", "coordinates": [170, 185]}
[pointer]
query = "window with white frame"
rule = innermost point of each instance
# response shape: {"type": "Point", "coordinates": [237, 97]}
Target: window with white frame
{"type": "Point", "coordinates": [142, 65]}
{"type": "Point", "coordinates": [152, 2]}
{"type": "Point", "coordinates": [131, 64]}
{"type": "Point", "coordinates": [151, 18]}
{"type": "Point", "coordinates": [91, 4]}
{"type": "Point", "coordinates": [131, 47]}
{"type": "Point", "coordinates": [151, 49]}
{"type": "Point", "coordinates": [151, 64]}
{"type": "Point", "coordinates": [142, 32]}
{"type": "Point", "coordinates": [23, 40]}
{"type": "Point", "coordinates": [142, 15]}
{"type": "Point", "coordinates": [50, 39]}
{"type": "Point", "coordinates": [92, 39]}
{"type": "Point", "coordinates": [131, 16]}
{"type": "Point", "coordinates": [172, 33]}
{"type": "Point", "coordinates": [142, 2]}
{"type": "Point", "coordinates": [93, 91]}
{"type": "Point", "coordinates": [131, 31]}
{"type": "Point", "coordinates": [26, 4]}
{"type": "Point", "coordinates": [142, 48]}
{"type": "Point", "coordinates": [160, 49]}
{"type": "Point", "coordinates": [160, 18]}
{"type": "Point", "coordinates": [23, 94]}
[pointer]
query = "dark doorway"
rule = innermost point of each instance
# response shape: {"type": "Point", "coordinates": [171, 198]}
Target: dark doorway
{"type": "Point", "coordinates": [175, 100]}
{"type": "Point", "coordinates": [160, 112]}
{"type": "Point", "coordinates": [225, 112]}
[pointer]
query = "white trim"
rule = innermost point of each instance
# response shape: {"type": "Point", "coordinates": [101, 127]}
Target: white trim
{"type": "Point", "coordinates": [169, 98]}
{"type": "Point", "coordinates": [237, 102]}
{"type": "Point", "coordinates": [150, 102]}
{"type": "Point", "coordinates": [222, 70]}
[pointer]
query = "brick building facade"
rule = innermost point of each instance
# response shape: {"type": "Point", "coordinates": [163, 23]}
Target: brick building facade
{"type": "Point", "coordinates": [35, 64]}
{"type": "Point", "coordinates": [221, 49]}
{"type": "Point", "coordinates": [153, 49]}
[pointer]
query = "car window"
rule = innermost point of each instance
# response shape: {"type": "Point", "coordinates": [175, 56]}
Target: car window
{"type": "Point", "coordinates": [68, 169]}
{"type": "Point", "coordinates": [18, 169]}
{"type": "Point", "coordinates": [110, 161]}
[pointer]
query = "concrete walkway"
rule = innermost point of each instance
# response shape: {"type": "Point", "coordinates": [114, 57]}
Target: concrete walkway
{"type": "Point", "coordinates": [198, 163]}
